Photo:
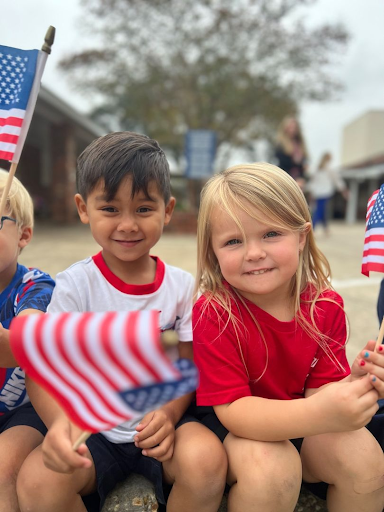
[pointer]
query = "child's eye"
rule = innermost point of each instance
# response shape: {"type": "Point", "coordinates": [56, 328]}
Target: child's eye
{"type": "Point", "coordinates": [109, 209]}
{"type": "Point", "coordinates": [144, 209]}
{"type": "Point", "coordinates": [271, 234]}
{"type": "Point", "coordinates": [234, 241]}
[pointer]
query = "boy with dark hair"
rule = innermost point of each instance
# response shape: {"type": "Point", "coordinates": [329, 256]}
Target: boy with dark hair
{"type": "Point", "coordinates": [124, 195]}
{"type": "Point", "coordinates": [23, 291]}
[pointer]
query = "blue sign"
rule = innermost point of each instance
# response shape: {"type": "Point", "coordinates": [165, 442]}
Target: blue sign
{"type": "Point", "coordinates": [200, 151]}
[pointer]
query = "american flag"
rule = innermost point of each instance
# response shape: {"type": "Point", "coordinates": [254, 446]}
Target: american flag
{"type": "Point", "coordinates": [373, 255]}
{"type": "Point", "coordinates": [17, 75]}
{"type": "Point", "coordinates": [103, 368]}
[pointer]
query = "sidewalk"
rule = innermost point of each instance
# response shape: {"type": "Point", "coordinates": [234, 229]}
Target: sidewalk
{"type": "Point", "coordinates": [54, 248]}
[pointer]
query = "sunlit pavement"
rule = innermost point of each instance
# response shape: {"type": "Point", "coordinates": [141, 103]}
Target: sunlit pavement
{"type": "Point", "coordinates": [54, 248]}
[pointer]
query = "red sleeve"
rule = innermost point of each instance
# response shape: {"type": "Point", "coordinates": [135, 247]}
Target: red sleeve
{"type": "Point", "coordinates": [223, 378]}
{"type": "Point", "coordinates": [331, 321]}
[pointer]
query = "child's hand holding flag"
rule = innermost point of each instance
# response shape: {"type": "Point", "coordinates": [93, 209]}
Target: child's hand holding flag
{"type": "Point", "coordinates": [102, 368]}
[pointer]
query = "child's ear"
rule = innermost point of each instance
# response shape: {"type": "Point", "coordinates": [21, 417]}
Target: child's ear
{"type": "Point", "coordinates": [169, 210]}
{"type": "Point", "coordinates": [81, 206]}
{"type": "Point", "coordinates": [25, 236]}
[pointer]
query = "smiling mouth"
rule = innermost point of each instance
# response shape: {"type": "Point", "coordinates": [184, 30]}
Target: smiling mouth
{"type": "Point", "coordinates": [258, 272]}
{"type": "Point", "coordinates": [128, 241]}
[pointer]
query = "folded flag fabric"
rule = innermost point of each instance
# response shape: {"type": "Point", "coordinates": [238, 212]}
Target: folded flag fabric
{"type": "Point", "coordinates": [103, 368]}
{"type": "Point", "coordinates": [373, 254]}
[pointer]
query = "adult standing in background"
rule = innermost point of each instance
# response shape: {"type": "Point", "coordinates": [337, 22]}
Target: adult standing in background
{"type": "Point", "coordinates": [291, 151]}
{"type": "Point", "coordinates": [322, 186]}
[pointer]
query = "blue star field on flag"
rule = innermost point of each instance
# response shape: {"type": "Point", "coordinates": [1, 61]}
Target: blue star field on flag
{"type": "Point", "coordinates": [147, 397]}
{"type": "Point", "coordinates": [17, 72]}
{"type": "Point", "coordinates": [376, 219]}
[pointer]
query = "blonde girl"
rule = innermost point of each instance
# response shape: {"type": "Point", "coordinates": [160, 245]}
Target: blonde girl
{"type": "Point", "coordinates": [269, 341]}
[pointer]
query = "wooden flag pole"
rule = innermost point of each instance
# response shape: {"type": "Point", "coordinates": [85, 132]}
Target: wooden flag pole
{"type": "Point", "coordinates": [380, 336]}
{"type": "Point", "coordinates": [48, 40]}
{"type": "Point", "coordinates": [82, 438]}
{"type": "Point", "coordinates": [7, 188]}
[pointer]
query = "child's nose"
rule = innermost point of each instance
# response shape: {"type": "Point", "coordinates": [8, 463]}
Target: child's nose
{"type": "Point", "coordinates": [127, 223]}
{"type": "Point", "coordinates": [254, 251]}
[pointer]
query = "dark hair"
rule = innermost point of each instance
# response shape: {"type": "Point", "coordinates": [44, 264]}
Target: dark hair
{"type": "Point", "coordinates": [118, 155]}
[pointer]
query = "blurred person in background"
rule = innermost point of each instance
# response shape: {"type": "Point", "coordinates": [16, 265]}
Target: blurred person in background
{"type": "Point", "coordinates": [322, 186]}
{"type": "Point", "coordinates": [291, 152]}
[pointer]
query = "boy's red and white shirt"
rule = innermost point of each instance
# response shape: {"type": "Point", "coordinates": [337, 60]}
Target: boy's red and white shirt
{"type": "Point", "coordinates": [89, 285]}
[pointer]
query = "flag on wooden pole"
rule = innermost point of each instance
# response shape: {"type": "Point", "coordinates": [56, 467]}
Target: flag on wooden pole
{"type": "Point", "coordinates": [20, 77]}
{"type": "Point", "coordinates": [103, 368]}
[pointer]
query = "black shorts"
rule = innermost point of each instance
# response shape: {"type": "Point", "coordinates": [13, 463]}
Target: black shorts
{"type": "Point", "coordinates": [115, 462]}
{"type": "Point", "coordinates": [23, 415]}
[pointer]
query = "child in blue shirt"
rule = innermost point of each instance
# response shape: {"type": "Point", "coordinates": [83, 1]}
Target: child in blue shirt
{"type": "Point", "coordinates": [23, 291]}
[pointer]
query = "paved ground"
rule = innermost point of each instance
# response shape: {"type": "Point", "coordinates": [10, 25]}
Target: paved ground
{"type": "Point", "coordinates": [54, 248]}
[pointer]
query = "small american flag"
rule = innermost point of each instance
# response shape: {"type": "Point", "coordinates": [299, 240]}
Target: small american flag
{"type": "Point", "coordinates": [18, 72]}
{"type": "Point", "coordinates": [373, 255]}
{"type": "Point", "coordinates": [103, 368]}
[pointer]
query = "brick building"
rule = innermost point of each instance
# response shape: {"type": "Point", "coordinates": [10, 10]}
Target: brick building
{"type": "Point", "coordinates": [57, 135]}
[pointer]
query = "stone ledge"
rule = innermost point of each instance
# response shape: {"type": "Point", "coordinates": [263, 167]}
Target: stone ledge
{"type": "Point", "coordinates": [137, 494]}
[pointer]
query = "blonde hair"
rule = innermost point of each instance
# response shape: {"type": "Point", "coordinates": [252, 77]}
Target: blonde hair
{"type": "Point", "coordinates": [19, 203]}
{"type": "Point", "coordinates": [285, 141]}
{"type": "Point", "coordinates": [265, 188]}
{"type": "Point", "coordinates": [326, 157]}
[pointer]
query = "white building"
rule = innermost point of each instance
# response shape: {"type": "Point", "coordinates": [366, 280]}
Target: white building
{"type": "Point", "coordinates": [362, 160]}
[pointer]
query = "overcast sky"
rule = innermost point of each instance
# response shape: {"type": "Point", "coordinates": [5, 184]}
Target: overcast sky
{"type": "Point", "coordinates": [23, 24]}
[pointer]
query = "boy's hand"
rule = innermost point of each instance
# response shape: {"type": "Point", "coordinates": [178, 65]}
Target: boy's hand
{"type": "Point", "coordinates": [345, 406]}
{"type": "Point", "coordinates": [57, 448]}
{"type": "Point", "coordinates": [156, 435]}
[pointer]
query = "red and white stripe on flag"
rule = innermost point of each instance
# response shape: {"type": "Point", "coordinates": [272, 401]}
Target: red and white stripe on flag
{"type": "Point", "coordinates": [86, 360]}
{"type": "Point", "coordinates": [373, 253]}
{"type": "Point", "coordinates": [10, 128]}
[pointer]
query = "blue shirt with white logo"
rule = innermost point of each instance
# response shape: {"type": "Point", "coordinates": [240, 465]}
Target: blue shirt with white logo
{"type": "Point", "coordinates": [29, 289]}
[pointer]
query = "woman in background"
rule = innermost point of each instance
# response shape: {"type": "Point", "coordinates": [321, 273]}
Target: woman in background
{"type": "Point", "coordinates": [291, 151]}
{"type": "Point", "coordinates": [322, 186]}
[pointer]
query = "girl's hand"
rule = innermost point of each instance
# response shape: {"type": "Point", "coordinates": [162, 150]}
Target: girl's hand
{"type": "Point", "coordinates": [345, 406]}
{"type": "Point", "coordinates": [371, 361]}
{"type": "Point", "coordinates": [359, 367]}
